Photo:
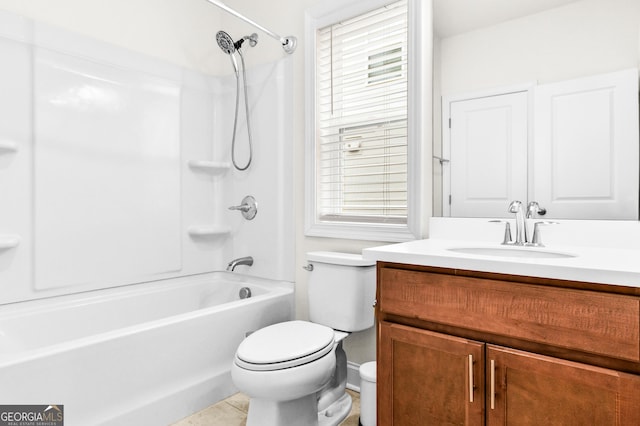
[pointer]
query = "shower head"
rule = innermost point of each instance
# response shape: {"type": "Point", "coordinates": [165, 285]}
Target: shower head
{"type": "Point", "coordinates": [225, 42]}
{"type": "Point", "coordinates": [228, 46]}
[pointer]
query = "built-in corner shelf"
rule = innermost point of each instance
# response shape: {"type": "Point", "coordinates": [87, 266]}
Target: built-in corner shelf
{"type": "Point", "coordinates": [8, 146]}
{"type": "Point", "coordinates": [211, 167]}
{"type": "Point", "coordinates": [9, 241]}
{"type": "Point", "coordinates": [208, 231]}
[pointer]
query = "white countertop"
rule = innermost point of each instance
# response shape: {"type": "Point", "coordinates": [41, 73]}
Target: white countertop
{"type": "Point", "coordinates": [590, 264]}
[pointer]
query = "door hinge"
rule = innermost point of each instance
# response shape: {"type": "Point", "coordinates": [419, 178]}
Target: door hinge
{"type": "Point", "coordinates": [449, 122]}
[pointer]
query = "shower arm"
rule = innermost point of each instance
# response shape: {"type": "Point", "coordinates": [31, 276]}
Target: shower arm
{"type": "Point", "coordinates": [288, 43]}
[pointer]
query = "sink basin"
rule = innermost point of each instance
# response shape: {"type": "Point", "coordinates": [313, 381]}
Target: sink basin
{"type": "Point", "coordinates": [519, 252]}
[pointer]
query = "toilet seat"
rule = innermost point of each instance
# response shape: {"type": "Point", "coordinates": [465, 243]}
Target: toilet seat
{"type": "Point", "coordinates": [284, 345]}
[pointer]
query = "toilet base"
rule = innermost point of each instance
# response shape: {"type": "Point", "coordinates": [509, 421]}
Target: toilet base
{"type": "Point", "coordinates": [336, 412]}
{"type": "Point", "coordinates": [301, 411]}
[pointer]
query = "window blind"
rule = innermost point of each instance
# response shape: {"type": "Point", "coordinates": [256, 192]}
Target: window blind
{"type": "Point", "coordinates": [361, 113]}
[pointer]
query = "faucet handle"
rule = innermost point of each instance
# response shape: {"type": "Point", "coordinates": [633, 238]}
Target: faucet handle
{"type": "Point", "coordinates": [537, 239]}
{"type": "Point", "coordinates": [534, 208]}
{"type": "Point", "coordinates": [249, 207]}
{"type": "Point", "coordinates": [515, 206]}
{"type": "Point", "coordinates": [507, 231]}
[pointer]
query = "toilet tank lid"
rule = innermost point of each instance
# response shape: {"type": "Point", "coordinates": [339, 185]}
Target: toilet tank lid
{"type": "Point", "coordinates": [337, 258]}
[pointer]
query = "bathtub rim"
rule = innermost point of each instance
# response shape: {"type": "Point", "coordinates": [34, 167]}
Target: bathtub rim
{"type": "Point", "coordinates": [277, 288]}
{"type": "Point", "coordinates": [133, 288]}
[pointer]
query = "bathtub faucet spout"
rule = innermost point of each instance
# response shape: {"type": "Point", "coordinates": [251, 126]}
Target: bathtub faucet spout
{"type": "Point", "coordinates": [248, 260]}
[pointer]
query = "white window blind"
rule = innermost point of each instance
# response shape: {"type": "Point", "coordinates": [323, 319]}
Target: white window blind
{"type": "Point", "coordinates": [361, 118]}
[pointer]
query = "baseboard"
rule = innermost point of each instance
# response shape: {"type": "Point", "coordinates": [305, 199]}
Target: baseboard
{"type": "Point", "coordinates": [353, 376]}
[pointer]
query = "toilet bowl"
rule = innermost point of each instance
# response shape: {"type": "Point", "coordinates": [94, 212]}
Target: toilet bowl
{"type": "Point", "coordinates": [295, 372]}
{"type": "Point", "coordinates": [281, 368]}
{"type": "Point", "coordinates": [285, 360]}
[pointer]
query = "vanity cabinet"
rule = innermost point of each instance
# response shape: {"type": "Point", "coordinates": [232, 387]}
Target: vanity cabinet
{"type": "Point", "coordinates": [470, 348]}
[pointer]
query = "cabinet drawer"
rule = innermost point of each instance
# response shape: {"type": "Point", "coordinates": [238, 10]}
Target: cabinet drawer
{"type": "Point", "coordinates": [588, 321]}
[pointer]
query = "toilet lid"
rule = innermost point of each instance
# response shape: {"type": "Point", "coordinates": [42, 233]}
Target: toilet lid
{"type": "Point", "coordinates": [285, 345]}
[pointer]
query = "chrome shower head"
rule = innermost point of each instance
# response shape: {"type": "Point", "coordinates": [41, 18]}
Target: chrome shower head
{"type": "Point", "coordinates": [225, 42]}
{"type": "Point", "coordinates": [229, 47]}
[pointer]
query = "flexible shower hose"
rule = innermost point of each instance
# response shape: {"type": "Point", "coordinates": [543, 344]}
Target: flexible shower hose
{"type": "Point", "coordinates": [235, 121]}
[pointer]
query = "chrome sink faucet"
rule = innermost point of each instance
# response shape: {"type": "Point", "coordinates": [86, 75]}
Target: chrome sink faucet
{"type": "Point", "coordinates": [522, 230]}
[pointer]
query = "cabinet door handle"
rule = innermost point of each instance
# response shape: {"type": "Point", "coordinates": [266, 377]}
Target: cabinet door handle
{"type": "Point", "coordinates": [470, 378]}
{"type": "Point", "coordinates": [493, 384]}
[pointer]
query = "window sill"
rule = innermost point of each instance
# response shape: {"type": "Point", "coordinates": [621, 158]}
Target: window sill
{"type": "Point", "coordinates": [360, 231]}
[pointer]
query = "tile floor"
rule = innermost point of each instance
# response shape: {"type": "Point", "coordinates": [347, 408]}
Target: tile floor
{"type": "Point", "coordinates": [233, 412]}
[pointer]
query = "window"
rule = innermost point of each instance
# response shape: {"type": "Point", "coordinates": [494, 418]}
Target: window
{"type": "Point", "coordinates": [360, 143]}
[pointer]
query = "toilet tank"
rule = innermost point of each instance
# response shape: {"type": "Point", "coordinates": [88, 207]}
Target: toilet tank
{"type": "Point", "coordinates": [341, 290]}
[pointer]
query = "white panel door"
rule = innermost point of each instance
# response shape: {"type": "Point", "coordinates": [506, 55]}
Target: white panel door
{"type": "Point", "coordinates": [488, 154]}
{"type": "Point", "coordinates": [586, 147]}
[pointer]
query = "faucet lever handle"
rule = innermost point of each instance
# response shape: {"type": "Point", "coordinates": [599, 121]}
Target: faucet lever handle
{"type": "Point", "coordinates": [248, 207]}
{"type": "Point", "coordinates": [534, 208]}
{"type": "Point", "coordinates": [507, 231]}
{"type": "Point", "coordinates": [241, 207]}
{"type": "Point", "coordinates": [537, 239]}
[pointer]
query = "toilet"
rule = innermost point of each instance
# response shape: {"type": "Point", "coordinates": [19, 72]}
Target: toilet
{"type": "Point", "coordinates": [295, 372]}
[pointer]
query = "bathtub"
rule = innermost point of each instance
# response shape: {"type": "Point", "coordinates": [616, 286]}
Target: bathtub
{"type": "Point", "coordinates": [145, 354]}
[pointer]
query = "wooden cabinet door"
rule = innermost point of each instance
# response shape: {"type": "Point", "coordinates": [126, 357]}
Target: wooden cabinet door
{"type": "Point", "coordinates": [526, 389]}
{"type": "Point", "coordinates": [427, 378]}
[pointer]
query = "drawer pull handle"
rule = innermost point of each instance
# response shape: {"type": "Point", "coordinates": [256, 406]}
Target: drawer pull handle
{"type": "Point", "coordinates": [470, 378]}
{"type": "Point", "coordinates": [493, 384]}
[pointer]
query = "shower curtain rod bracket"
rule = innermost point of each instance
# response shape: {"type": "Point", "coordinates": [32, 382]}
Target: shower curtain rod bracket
{"type": "Point", "coordinates": [289, 43]}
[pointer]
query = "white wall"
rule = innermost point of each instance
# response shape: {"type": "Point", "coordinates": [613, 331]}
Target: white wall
{"type": "Point", "coordinates": [179, 31]}
{"type": "Point", "coordinates": [580, 39]}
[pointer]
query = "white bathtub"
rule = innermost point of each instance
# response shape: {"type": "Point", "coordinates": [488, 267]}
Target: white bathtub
{"type": "Point", "coordinates": [146, 354]}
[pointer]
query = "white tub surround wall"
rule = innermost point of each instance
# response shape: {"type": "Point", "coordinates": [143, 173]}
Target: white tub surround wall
{"type": "Point", "coordinates": [269, 237]}
{"type": "Point", "coordinates": [115, 166]}
{"type": "Point", "coordinates": [106, 164]}
{"type": "Point", "coordinates": [605, 252]}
